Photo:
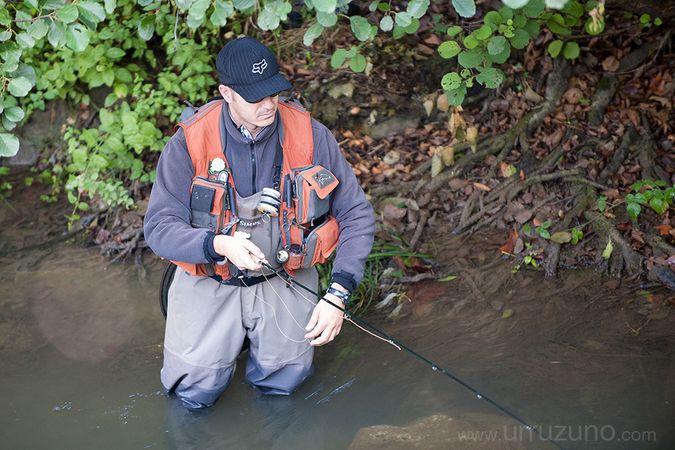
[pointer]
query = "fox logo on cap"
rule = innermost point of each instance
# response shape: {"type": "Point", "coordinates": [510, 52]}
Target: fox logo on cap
{"type": "Point", "coordinates": [259, 67]}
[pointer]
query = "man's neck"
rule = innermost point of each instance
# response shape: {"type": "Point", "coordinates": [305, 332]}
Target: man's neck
{"type": "Point", "coordinates": [253, 129]}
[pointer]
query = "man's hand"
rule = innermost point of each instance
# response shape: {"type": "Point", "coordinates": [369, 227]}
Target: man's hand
{"type": "Point", "coordinates": [326, 321]}
{"type": "Point", "coordinates": [239, 251]}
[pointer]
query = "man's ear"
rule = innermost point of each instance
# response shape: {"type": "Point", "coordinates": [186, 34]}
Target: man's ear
{"type": "Point", "coordinates": [226, 92]}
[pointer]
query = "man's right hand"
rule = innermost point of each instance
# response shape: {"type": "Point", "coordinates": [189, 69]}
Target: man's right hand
{"type": "Point", "coordinates": [239, 251]}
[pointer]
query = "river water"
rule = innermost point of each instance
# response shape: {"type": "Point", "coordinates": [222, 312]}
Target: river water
{"type": "Point", "coordinates": [588, 362]}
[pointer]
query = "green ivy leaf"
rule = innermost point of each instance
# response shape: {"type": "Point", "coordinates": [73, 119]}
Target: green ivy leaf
{"type": "Point", "coordinates": [496, 45]}
{"type": "Point", "coordinates": [387, 23]}
{"type": "Point", "coordinates": [14, 113]}
{"type": "Point", "coordinates": [577, 235]}
{"type": "Point", "coordinates": [465, 8]}
{"type": "Point", "coordinates": [328, 20]}
{"type": "Point", "coordinates": [57, 34]}
{"type": "Point", "coordinates": [556, 4]}
{"type": "Point", "coordinates": [601, 203]}
{"type": "Point", "coordinates": [456, 96]}
{"type": "Point", "coordinates": [77, 37]}
{"type": "Point", "coordinates": [9, 145]}
{"type": "Point", "coordinates": [38, 29]}
{"type": "Point", "coordinates": [656, 203]}
{"type": "Point", "coordinates": [326, 6]}
{"type": "Point", "coordinates": [338, 58]}
{"type": "Point", "coordinates": [502, 57]}
{"type": "Point", "coordinates": [109, 6]}
{"type": "Point", "coordinates": [25, 40]}
{"type": "Point", "coordinates": [532, 27]}
{"type": "Point", "coordinates": [470, 42]}
{"type": "Point", "coordinates": [68, 13]}
{"type": "Point", "coordinates": [470, 59]}
{"type": "Point", "coordinates": [571, 50]}
{"type": "Point", "coordinates": [91, 11]}
{"type": "Point", "coordinates": [449, 49]}
{"type": "Point", "coordinates": [312, 33]}
{"type": "Point", "coordinates": [515, 4]}
{"type": "Point", "coordinates": [451, 81]}
{"type": "Point", "coordinates": [454, 30]}
{"type": "Point", "coordinates": [417, 8]}
{"type": "Point", "coordinates": [222, 10]}
{"type": "Point", "coordinates": [520, 39]}
{"type": "Point", "coordinates": [555, 47]}
{"type": "Point", "coordinates": [360, 27]}
{"type": "Point", "coordinates": [493, 19]}
{"type": "Point", "coordinates": [490, 78]}
{"type": "Point", "coordinates": [19, 87]}
{"type": "Point", "coordinates": [483, 33]}
{"type": "Point", "coordinates": [534, 8]}
{"type": "Point", "coordinates": [403, 19]}
{"type": "Point", "coordinates": [146, 27]}
{"type": "Point", "coordinates": [358, 63]}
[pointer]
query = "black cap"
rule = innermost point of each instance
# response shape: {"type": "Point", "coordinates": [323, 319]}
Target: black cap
{"type": "Point", "coordinates": [251, 69]}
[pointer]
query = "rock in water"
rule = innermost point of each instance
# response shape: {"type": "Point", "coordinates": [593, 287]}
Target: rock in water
{"type": "Point", "coordinates": [473, 432]}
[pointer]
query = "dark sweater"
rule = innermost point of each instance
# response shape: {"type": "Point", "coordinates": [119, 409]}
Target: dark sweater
{"type": "Point", "coordinates": [167, 221]}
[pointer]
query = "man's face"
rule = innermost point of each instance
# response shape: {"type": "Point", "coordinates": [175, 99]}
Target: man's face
{"type": "Point", "coordinates": [253, 115]}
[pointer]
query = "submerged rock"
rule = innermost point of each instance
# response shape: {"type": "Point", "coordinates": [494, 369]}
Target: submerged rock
{"type": "Point", "coordinates": [442, 432]}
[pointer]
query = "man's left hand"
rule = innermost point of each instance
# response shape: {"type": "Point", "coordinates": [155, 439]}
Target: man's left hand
{"type": "Point", "coordinates": [326, 321]}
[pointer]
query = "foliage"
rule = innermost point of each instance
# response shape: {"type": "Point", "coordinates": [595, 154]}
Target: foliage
{"type": "Point", "coordinates": [148, 55]}
{"type": "Point", "coordinates": [652, 193]}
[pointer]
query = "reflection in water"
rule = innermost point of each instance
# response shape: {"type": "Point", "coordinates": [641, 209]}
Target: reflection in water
{"type": "Point", "coordinates": [80, 344]}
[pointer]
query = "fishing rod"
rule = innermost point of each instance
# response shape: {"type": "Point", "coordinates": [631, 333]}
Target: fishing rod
{"type": "Point", "coordinates": [401, 346]}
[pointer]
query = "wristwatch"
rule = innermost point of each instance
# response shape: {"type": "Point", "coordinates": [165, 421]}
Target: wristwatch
{"type": "Point", "coordinates": [342, 295]}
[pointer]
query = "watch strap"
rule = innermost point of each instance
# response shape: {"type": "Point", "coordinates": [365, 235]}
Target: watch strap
{"type": "Point", "coordinates": [344, 296]}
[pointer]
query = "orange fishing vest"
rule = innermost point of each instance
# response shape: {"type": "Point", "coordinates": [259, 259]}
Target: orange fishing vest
{"type": "Point", "coordinates": [305, 244]}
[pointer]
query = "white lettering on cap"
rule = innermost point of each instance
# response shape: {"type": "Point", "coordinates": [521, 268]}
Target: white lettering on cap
{"type": "Point", "coordinates": [259, 67]}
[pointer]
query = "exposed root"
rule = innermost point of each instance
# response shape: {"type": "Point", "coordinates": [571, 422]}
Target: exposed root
{"type": "Point", "coordinates": [620, 155]}
{"type": "Point", "coordinates": [610, 81]}
{"type": "Point", "coordinates": [424, 217]}
{"type": "Point", "coordinates": [657, 243]}
{"type": "Point", "coordinates": [623, 257]}
{"type": "Point", "coordinates": [646, 154]}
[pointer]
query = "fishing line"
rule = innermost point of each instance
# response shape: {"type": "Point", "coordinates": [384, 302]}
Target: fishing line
{"type": "Point", "coordinates": [274, 314]}
{"type": "Point", "coordinates": [356, 320]}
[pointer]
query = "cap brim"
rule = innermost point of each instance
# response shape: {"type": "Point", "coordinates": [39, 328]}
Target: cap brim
{"type": "Point", "coordinates": [255, 92]}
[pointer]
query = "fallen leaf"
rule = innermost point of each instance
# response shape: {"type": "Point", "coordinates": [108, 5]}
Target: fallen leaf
{"type": "Point", "coordinates": [610, 64]}
{"type": "Point", "coordinates": [447, 278]}
{"type": "Point", "coordinates": [436, 165]}
{"type": "Point", "coordinates": [428, 106]}
{"type": "Point", "coordinates": [393, 212]}
{"type": "Point", "coordinates": [481, 186]}
{"type": "Point", "coordinates": [607, 252]}
{"type": "Point", "coordinates": [510, 243]}
{"type": "Point", "coordinates": [507, 170]}
{"type": "Point", "coordinates": [448, 155]}
{"type": "Point", "coordinates": [391, 157]}
{"type": "Point", "coordinates": [507, 313]}
{"type": "Point", "coordinates": [561, 237]}
{"type": "Point", "coordinates": [523, 216]}
{"type": "Point", "coordinates": [664, 230]}
{"type": "Point", "coordinates": [442, 103]}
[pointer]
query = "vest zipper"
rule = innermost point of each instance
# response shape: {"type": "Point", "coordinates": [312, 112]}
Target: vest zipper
{"type": "Point", "coordinates": [253, 168]}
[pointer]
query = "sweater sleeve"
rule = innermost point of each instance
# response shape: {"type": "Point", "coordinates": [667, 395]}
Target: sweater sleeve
{"type": "Point", "coordinates": [166, 225]}
{"type": "Point", "coordinates": [351, 209]}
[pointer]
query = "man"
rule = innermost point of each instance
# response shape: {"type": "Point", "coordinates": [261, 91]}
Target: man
{"type": "Point", "coordinates": [248, 183]}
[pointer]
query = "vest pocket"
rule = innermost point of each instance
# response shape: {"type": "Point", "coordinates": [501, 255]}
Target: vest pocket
{"type": "Point", "coordinates": [321, 242]}
{"type": "Point", "coordinates": [313, 186]}
{"type": "Point", "coordinates": [208, 202]}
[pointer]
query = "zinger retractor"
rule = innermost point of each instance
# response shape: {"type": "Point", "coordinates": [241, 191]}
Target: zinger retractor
{"type": "Point", "coordinates": [270, 200]}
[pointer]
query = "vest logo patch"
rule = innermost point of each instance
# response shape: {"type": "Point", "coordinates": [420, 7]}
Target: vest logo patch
{"type": "Point", "coordinates": [259, 67]}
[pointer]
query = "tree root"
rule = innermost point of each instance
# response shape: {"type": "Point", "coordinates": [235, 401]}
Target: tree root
{"type": "Point", "coordinates": [424, 217]}
{"type": "Point", "coordinates": [610, 81]}
{"type": "Point", "coordinates": [646, 154]}
{"type": "Point", "coordinates": [623, 258]}
{"type": "Point", "coordinates": [657, 243]}
{"type": "Point", "coordinates": [620, 155]}
{"type": "Point", "coordinates": [555, 87]}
